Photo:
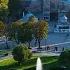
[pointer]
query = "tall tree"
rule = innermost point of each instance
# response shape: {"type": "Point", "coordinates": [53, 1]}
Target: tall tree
{"type": "Point", "coordinates": [25, 34]}
{"type": "Point", "coordinates": [14, 28]}
{"type": "Point", "coordinates": [40, 31]}
{"type": "Point", "coordinates": [22, 32]}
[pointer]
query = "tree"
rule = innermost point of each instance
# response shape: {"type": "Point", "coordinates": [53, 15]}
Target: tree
{"type": "Point", "coordinates": [4, 32]}
{"type": "Point", "coordinates": [2, 28]}
{"type": "Point", "coordinates": [25, 32]}
{"type": "Point", "coordinates": [40, 31]}
{"type": "Point", "coordinates": [21, 53]}
{"type": "Point", "coordinates": [13, 30]}
{"type": "Point", "coordinates": [29, 27]}
{"type": "Point", "coordinates": [3, 4]}
{"type": "Point", "coordinates": [32, 20]}
{"type": "Point", "coordinates": [28, 34]}
{"type": "Point", "coordinates": [4, 10]}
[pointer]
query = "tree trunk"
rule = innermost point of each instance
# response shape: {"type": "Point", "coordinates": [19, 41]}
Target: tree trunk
{"type": "Point", "coordinates": [35, 42]}
{"type": "Point", "coordinates": [39, 42]}
{"type": "Point", "coordinates": [29, 45]}
{"type": "Point", "coordinates": [7, 47]}
{"type": "Point", "coordinates": [16, 38]}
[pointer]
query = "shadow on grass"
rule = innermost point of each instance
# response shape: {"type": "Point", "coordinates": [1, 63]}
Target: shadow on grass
{"type": "Point", "coordinates": [29, 65]}
{"type": "Point", "coordinates": [45, 67]}
{"type": "Point", "coordinates": [9, 67]}
{"type": "Point", "coordinates": [51, 66]}
{"type": "Point", "coordinates": [15, 65]}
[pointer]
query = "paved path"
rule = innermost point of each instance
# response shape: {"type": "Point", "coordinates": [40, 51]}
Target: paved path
{"type": "Point", "coordinates": [35, 54]}
{"type": "Point", "coordinates": [46, 54]}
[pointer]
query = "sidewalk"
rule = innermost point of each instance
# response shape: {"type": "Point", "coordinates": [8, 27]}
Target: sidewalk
{"type": "Point", "coordinates": [46, 54]}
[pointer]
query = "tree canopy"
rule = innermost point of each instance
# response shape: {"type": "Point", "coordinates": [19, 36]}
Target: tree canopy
{"type": "Point", "coordinates": [40, 30]}
{"type": "Point", "coordinates": [2, 28]}
{"type": "Point", "coordinates": [21, 53]}
{"type": "Point", "coordinates": [4, 4]}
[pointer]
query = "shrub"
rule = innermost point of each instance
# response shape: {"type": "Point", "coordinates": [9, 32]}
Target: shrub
{"type": "Point", "coordinates": [21, 53]}
{"type": "Point", "coordinates": [64, 59]}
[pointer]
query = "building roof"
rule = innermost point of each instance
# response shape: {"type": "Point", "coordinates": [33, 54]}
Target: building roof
{"type": "Point", "coordinates": [26, 17]}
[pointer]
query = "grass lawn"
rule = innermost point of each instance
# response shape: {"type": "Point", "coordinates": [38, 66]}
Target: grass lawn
{"type": "Point", "coordinates": [11, 64]}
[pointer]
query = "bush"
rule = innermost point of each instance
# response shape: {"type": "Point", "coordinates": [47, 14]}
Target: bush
{"type": "Point", "coordinates": [64, 59]}
{"type": "Point", "coordinates": [21, 53]}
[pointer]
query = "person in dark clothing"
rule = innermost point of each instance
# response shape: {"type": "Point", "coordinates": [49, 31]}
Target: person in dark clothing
{"type": "Point", "coordinates": [48, 48]}
{"type": "Point", "coordinates": [56, 48]}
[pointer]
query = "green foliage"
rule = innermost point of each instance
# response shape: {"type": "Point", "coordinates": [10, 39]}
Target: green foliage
{"type": "Point", "coordinates": [3, 4]}
{"type": "Point", "coordinates": [13, 30]}
{"type": "Point", "coordinates": [2, 28]}
{"type": "Point", "coordinates": [21, 53]}
{"type": "Point", "coordinates": [24, 32]}
{"type": "Point", "coordinates": [25, 35]}
{"type": "Point", "coordinates": [21, 32]}
{"type": "Point", "coordinates": [2, 25]}
{"type": "Point", "coordinates": [40, 30]}
{"type": "Point", "coordinates": [32, 19]}
{"type": "Point", "coordinates": [32, 29]}
{"type": "Point", "coordinates": [4, 10]}
{"type": "Point", "coordinates": [64, 58]}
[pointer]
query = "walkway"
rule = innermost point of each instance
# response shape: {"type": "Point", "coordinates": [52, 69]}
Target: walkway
{"type": "Point", "coordinates": [46, 54]}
